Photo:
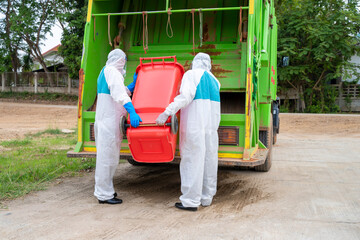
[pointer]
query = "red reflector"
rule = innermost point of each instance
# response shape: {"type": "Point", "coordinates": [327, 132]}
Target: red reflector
{"type": "Point", "coordinates": [228, 136]}
{"type": "Point", "coordinates": [92, 132]}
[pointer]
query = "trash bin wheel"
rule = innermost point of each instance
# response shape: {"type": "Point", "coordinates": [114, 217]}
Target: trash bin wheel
{"type": "Point", "coordinates": [135, 163]}
{"type": "Point", "coordinates": [122, 126]}
{"type": "Point", "coordinates": [174, 124]}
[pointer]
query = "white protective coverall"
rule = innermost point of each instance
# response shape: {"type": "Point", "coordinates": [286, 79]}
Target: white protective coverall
{"type": "Point", "coordinates": [111, 96]}
{"type": "Point", "coordinates": [199, 100]}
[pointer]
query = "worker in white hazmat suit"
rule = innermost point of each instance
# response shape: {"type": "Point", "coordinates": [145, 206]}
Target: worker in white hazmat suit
{"type": "Point", "coordinates": [199, 100]}
{"type": "Point", "coordinates": [112, 102]}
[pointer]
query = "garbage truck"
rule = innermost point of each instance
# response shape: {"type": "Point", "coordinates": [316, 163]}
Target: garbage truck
{"type": "Point", "coordinates": [239, 35]}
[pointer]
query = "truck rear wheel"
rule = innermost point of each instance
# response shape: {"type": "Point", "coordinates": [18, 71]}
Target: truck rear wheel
{"type": "Point", "coordinates": [266, 137]}
{"type": "Point", "coordinates": [274, 138]}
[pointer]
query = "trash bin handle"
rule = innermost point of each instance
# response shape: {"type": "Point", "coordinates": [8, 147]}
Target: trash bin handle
{"type": "Point", "coordinates": [149, 125]}
{"type": "Point", "coordinates": [158, 58]}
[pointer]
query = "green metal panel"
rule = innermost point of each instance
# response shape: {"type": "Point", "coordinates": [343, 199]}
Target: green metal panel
{"type": "Point", "coordinates": [269, 74]}
{"type": "Point", "coordinates": [88, 118]}
{"type": "Point", "coordinates": [265, 113]}
{"type": "Point", "coordinates": [274, 59]}
{"type": "Point", "coordinates": [226, 59]}
{"type": "Point", "coordinates": [96, 51]}
{"type": "Point", "coordinates": [87, 130]}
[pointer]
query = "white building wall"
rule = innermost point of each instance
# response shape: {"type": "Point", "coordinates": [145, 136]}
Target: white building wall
{"type": "Point", "coordinates": [355, 59]}
{"type": "Point", "coordinates": [50, 59]}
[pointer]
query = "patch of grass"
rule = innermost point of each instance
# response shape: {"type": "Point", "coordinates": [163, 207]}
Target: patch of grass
{"type": "Point", "coordinates": [50, 131]}
{"type": "Point", "coordinates": [53, 131]}
{"type": "Point", "coordinates": [15, 143]}
{"type": "Point", "coordinates": [31, 163]}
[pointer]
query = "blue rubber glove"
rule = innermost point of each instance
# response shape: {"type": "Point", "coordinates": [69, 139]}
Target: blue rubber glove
{"type": "Point", "coordinates": [131, 86]}
{"type": "Point", "coordinates": [134, 117]}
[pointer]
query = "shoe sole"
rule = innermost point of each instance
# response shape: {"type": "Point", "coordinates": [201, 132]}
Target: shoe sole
{"type": "Point", "coordinates": [104, 202]}
{"type": "Point", "coordinates": [191, 209]}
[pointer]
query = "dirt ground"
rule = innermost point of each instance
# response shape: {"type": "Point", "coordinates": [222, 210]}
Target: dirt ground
{"type": "Point", "coordinates": [18, 119]}
{"type": "Point", "coordinates": [311, 192]}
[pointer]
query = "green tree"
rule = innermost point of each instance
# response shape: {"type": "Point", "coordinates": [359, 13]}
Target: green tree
{"type": "Point", "coordinates": [72, 19]}
{"type": "Point", "coordinates": [26, 62]}
{"type": "Point", "coordinates": [5, 60]}
{"type": "Point", "coordinates": [10, 42]}
{"type": "Point", "coordinates": [31, 21]}
{"type": "Point", "coordinates": [320, 38]}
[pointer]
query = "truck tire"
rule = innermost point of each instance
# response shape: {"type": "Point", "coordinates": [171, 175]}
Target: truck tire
{"type": "Point", "coordinates": [266, 137]}
{"type": "Point", "coordinates": [275, 118]}
{"type": "Point", "coordinates": [274, 138]}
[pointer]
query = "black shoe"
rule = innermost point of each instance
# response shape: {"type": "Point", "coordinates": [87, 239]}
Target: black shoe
{"type": "Point", "coordinates": [180, 206]}
{"type": "Point", "coordinates": [111, 201]}
{"type": "Point", "coordinates": [115, 195]}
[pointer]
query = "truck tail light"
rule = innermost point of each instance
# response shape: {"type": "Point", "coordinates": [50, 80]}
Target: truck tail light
{"type": "Point", "coordinates": [92, 132]}
{"type": "Point", "coordinates": [228, 136]}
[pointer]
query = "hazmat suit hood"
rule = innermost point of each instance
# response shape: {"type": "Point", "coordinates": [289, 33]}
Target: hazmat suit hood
{"type": "Point", "coordinates": [202, 61]}
{"type": "Point", "coordinates": [117, 59]}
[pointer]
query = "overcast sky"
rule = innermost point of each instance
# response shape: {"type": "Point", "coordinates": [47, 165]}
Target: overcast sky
{"type": "Point", "coordinates": [52, 41]}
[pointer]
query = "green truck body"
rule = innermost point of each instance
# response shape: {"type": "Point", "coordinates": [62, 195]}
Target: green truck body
{"type": "Point", "coordinates": [241, 38]}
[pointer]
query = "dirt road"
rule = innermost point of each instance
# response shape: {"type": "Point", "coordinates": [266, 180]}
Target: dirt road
{"type": "Point", "coordinates": [311, 192]}
{"type": "Point", "coordinates": [17, 119]}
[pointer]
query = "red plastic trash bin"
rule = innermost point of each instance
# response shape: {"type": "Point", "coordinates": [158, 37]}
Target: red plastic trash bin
{"type": "Point", "coordinates": [157, 85]}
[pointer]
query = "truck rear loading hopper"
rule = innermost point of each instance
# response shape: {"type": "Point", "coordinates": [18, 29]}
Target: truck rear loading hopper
{"type": "Point", "coordinates": [241, 38]}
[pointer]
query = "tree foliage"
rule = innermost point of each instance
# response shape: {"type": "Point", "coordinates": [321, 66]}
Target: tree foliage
{"type": "Point", "coordinates": [10, 42]}
{"type": "Point", "coordinates": [27, 62]}
{"type": "Point", "coordinates": [5, 60]}
{"type": "Point", "coordinates": [72, 19]}
{"type": "Point", "coordinates": [320, 37]}
{"type": "Point", "coordinates": [32, 20]}
{"type": "Point", "coordinates": [25, 23]}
